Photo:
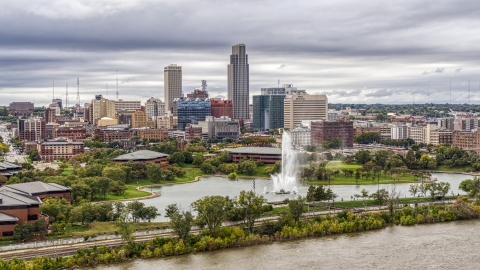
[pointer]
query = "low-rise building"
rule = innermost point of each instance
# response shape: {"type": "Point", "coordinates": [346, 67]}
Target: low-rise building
{"type": "Point", "coordinates": [53, 150]}
{"type": "Point", "coordinates": [267, 155]}
{"type": "Point", "coordinates": [322, 131]}
{"type": "Point", "coordinates": [144, 156]}
{"type": "Point", "coordinates": [21, 108]}
{"type": "Point", "coordinates": [74, 133]}
{"type": "Point", "coordinates": [466, 140]}
{"type": "Point", "coordinates": [8, 169]}
{"type": "Point", "coordinates": [399, 132]}
{"type": "Point", "coordinates": [301, 136]}
{"type": "Point", "coordinates": [220, 128]}
{"type": "Point", "coordinates": [152, 133]}
{"type": "Point", "coordinates": [139, 120]}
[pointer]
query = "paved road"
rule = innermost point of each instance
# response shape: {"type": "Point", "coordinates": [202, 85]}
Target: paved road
{"type": "Point", "coordinates": [13, 155]}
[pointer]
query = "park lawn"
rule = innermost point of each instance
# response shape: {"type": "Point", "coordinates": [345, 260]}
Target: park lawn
{"type": "Point", "coordinates": [338, 165]}
{"type": "Point", "coordinates": [99, 228]}
{"type": "Point", "coordinates": [453, 169]}
{"type": "Point", "coordinates": [130, 193]}
{"type": "Point", "coordinates": [68, 171]}
{"type": "Point", "coordinates": [284, 209]}
{"type": "Point", "coordinates": [28, 159]}
{"type": "Point", "coordinates": [341, 179]}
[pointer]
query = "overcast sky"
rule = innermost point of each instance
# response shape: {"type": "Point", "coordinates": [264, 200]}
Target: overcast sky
{"type": "Point", "coordinates": [353, 51]}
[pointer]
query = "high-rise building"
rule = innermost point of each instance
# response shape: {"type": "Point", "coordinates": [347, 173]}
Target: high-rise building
{"type": "Point", "coordinates": [172, 84]}
{"type": "Point", "coordinates": [190, 111]}
{"type": "Point", "coordinates": [57, 101]}
{"type": "Point", "coordinates": [268, 107]}
{"type": "Point", "coordinates": [101, 107]}
{"type": "Point", "coordinates": [127, 105]}
{"type": "Point", "coordinates": [31, 129]}
{"type": "Point", "coordinates": [154, 107]}
{"type": "Point", "coordinates": [139, 119]}
{"type": "Point", "coordinates": [239, 82]}
{"type": "Point", "coordinates": [300, 106]}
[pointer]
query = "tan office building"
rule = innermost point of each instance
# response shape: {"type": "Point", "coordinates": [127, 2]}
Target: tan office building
{"type": "Point", "coordinates": [302, 106]}
{"type": "Point", "coordinates": [139, 119]}
{"type": "Point", "coordinates": [172, 83]}
{"type": "Point", "coordinates": [101, 107]}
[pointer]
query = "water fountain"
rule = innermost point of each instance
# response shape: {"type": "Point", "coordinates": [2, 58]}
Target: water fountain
{"type": "Point", "coordinates": [284, 182]}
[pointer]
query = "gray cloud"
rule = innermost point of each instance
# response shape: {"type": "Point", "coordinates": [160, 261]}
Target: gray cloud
{"type": "Point", "coordinates": [330, 47]}
{"type": "Point", "coordinates": [458, 70]}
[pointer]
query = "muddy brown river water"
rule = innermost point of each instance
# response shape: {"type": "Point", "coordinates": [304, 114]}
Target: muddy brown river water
{"type": "Point", "coordinates": [453, 245]}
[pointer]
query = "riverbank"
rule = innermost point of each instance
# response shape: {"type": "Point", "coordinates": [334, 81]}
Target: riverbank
{"type": "Point", "coordinates": [230, 237]}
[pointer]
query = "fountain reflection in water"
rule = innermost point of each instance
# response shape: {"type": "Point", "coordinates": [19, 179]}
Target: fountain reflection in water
{"type": "Point", "coordinates": [284, 182]}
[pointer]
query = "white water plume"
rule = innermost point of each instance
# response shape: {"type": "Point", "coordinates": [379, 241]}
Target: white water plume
{"type": "Point", "coordinates": [286, 179]}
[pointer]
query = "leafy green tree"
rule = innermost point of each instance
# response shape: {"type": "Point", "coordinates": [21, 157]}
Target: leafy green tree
{"type": "Point", "coordinates": [135, 210]}
{"type": "Point", "coordinates": [224, 157]}
{"type": "Point", "coordinates": [250, 206]}
{"type": "Point", "coordinates": [211, 211]}
{"type": "Point", "coordinates": [171, 209]}
{"type": "Point", "coordinates": [362, 156]}
{"type": "Point", "coordinates": [198, 160]}
{"type": "Point", "coordinates": [381, 158]}
{"type": "Point", "coordinates": [115, 173]}
{"type": "Point", "coordinates": [396, 161]}
{"type": "Point", "coordinates": [296, 208]}
{"type": "Point", "coordinates": [333, 143]}
{"type": "Point", "coordinates": [126, 228]}
{"type": "Point", "coordinates": [367, 138]}
{"type": "Point", "coordinates": [154, 172]}
{"type": "Point", "coordinates": [207, 168]}
{"type": "Point", "coordinates": [316, 193]}
{"type": "Point", "coordinates": [247, 167]}
{"type": "Point", "coordinates": [232, 176]}
{"type": "Point", "coordinates": [380, 197]}
{"type": "Point", "coordinates": [472, 186]}
{"type": "Point", "coordinates": [177, 157]}
{"type": "Point", "coordinates": [413, 189]}
{"type": "Point", "coordinates": [181, 224]}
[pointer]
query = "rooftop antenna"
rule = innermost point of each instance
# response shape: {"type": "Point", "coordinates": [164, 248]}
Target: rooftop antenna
{"type": "Point", "coordinates": [78, 91]}
{"type": "Point", "coordinates": [66, 96]}
{"type": "Point", "coordinates": [116, 72]}
{"type": "Point", "coordinates": [204, 85]}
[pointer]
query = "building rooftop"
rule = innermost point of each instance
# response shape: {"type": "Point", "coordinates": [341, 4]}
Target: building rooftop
{"type": "Point", "coordinates": [7, 218]}
{"type": "Point", "coordinates": [254, 150]}
{"type": "Point", "coordinates": [35, 188]}
{"type": "Point", "coordinates": [59, 141]}
{"type": "Point", "coordinates": [9, 168]}
{"type": "Point", "coordinates": [140, 155]}
{"type": "Point", "coordinates": [10, 198]}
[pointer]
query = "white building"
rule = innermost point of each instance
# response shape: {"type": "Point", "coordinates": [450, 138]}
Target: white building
{"type": "Point", "coordinates": [172, 85]}
{"type": "Point", "coordinates": [154, 107]}
{"type": "Point", "coordinates": [399, 132]}
{"type": "Point", "coordinates": [301, 136]}
{"type": "Point", "coordinates": [220, 128]}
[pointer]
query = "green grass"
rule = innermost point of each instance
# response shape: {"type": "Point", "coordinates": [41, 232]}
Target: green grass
{"type": "Point", "coordinates": [68, 171]}
{"type": "Point", "coordinates": [338, 165]}
{"type": "Point", "coordinates": [454, 169]}
{"type": "Point", "coordinates": [130, 193]}
{"type": "Point", "coordinates": [28, 159]}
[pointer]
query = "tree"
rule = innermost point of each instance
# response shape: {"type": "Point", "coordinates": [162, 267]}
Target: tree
{"type": "Point", "coordinates": [364, 193]}
{"type": "Point", "coordinates": [126, 228]}
{"type": "Point", "coordinates": [207, 168]}
{"type": "Point", "coordinates": [232, 176]}
{"type": "Point", "coordinates": [135, 210]}
{"type": "Point", "coordinates": [181, 224]}
{"type": "Point", "coordinates": [177, 157]}
{"type": "Point", "coordinates": [380, 197]}
{"type": "Point", "coordinates": [316, 193]}
{"type": "Point", "coordinates": [413, 189]}
{"type": "Point", "coordinates": [363, 156]}
{"type": "Point", "coordinates": [154, 172]}
{"type": "Point", "coordinates": [198, 160]}
{"type": "Point", "coordinates": [333, 143]}
{"type": "Point", "coordinates": [103, 184]}
{"type": "Point", "coordinates": [295, 208]}
{"type": "Point", "coordinates": [357, 176]}
{"type": "Point", "coordinates": [247, 167]}
{"type": "Point", "coordinates": [115, 173]}
{"type": "Point", "coordinates": [224, 157]}
{"type": "Point", "coordinates": [171, 209]}
{"type": "Point", "coordinates": [396, 161]}
{"type": "Point", "coordinates": [381, 158]}
{"type": "Point", "coordinates": [472, 186]}
{"type": "Point", "coordinates": [211, 212]}
{"type": "Point", "coordinates": [366, 138]}
{"type": "Point", "coordinates": [251, 207]}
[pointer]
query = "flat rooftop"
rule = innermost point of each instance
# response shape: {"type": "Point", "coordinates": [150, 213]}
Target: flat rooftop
{"type": "Point", "coordinates": [254, 150]}
{"type": "Point", "coordinates": [140, 155]}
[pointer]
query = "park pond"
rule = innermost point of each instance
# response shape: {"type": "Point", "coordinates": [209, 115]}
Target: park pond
{"type": "Point", "coordinates": [184, 194]}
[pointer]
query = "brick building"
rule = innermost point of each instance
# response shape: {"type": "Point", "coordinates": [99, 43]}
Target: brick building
{"type": "Point", "coordinates": [221, 108]}
{"type": "Point", "coordinates": [465, 140]}
{"type": "Point", "coordinates": [52, 150]}
{"type": "Point", "coordinates": [152, 133]}
{"type": "Point", "coordinates": [110, 135]}
{"type": "Point", "coordinates": [268, 155]}
{"type": "Point", "coordinates": [21, 108]}
{"type": "Point", "coordinates": [31, 130]}
{"type": "Point", "coordinates": [322, 131]}
{"type": "Point", "coordinates": [74, 133]}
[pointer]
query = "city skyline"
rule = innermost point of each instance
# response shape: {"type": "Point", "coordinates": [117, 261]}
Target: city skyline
{"type": "Point", "coordinates": [365, 52]}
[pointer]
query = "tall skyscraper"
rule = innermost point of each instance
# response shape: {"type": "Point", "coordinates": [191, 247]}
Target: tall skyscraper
{"type": "Point", "coordinates": [239, 82]}
{"type": "Point", "coordinates": [172, 81]}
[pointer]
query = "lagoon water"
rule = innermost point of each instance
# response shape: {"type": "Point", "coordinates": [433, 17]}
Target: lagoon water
{"type": "Point", "coordinates": [452, 245]}
{"type": "Point", "coordinates": [185, 194]}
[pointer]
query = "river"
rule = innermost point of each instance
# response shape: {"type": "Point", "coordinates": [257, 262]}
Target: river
{"type": "Point", "coordinates": [452, 245]}
{"type": "Point", "coordinates": [185, 194]}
